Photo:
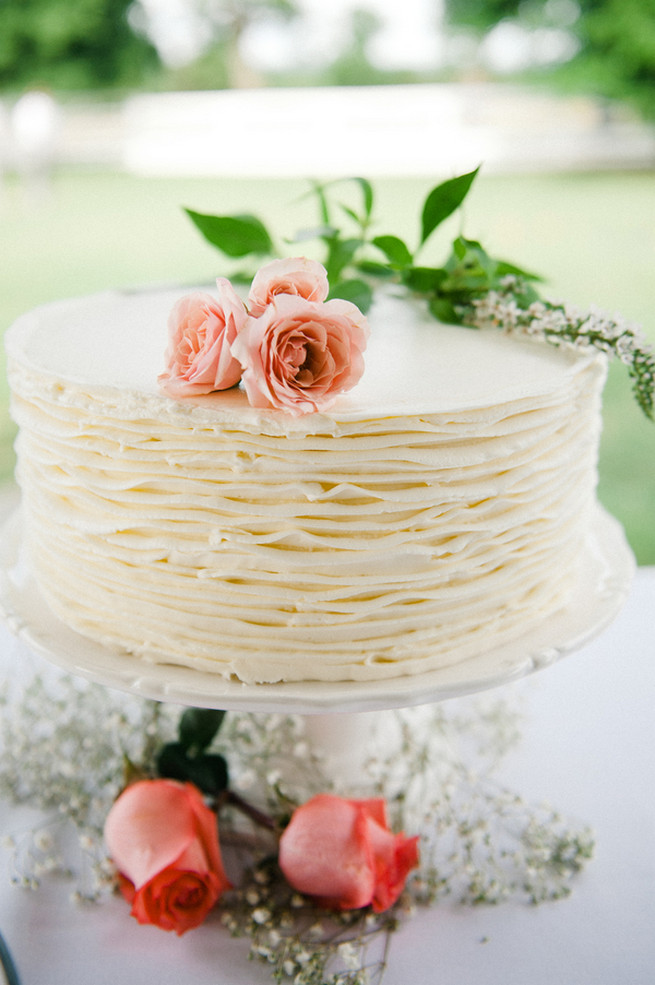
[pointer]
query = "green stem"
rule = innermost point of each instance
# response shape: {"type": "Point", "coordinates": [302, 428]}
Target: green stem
{"type": "Point", "coordinates": [232, 799]}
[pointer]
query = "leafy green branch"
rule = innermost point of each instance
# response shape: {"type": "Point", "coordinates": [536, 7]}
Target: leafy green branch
{"type": "Point", "coordinates": [357, 261]}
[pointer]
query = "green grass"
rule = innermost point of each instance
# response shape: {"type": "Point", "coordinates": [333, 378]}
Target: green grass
{"type": "Point", "coordinates": [591, 235]}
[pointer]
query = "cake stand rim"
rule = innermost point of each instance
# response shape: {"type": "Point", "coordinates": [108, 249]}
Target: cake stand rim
{"type": "Point", "coordinates": [607, 569]}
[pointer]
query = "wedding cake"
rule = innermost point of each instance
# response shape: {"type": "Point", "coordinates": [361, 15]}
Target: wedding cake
{"type": "Point", "coordinates": [436, 510]}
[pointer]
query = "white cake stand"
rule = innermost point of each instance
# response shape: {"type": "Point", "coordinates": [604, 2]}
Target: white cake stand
{"type": "Point", "coordinates": [606, 572]}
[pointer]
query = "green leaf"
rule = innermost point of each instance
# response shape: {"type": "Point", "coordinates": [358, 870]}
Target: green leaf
{"type": "Point", "coordinates": [470, 251]}
{"type": "Point", "coordinates": [504, 269]}
{"type": "Point", "coordinates": [172, 761]}
{"type": "Point", "coordinates": [470, 270]}
{"type": "Point", "coordinates": [367, 202]}
{"type": "Point", "coordinates": [198, 726]}
{"type": "Point", "coordinates": [208, 772]}
{"type": "Point", "coordinates": [319, 190]}
{"type": "Point", "coordinates": [459, 250]}
{"type": "Point", "coordinates": [373, 269]}
{"type": "Point", "coordinates": [443, 311]}
{"type": "Point", "coordinates": [324, 208]}
{"type": "Point", "coordinates": [367, 195]}
{"type": "Point", "coordinates": [351, 213]}
{"type": "Point", "coordinates": [356, 291]}
{"type": "Point", "coordinates": [394, 249]}
{"type": "Point", "coordinates": [234, 235]}
{"type": "Point", "coordinates": [443, 200]}
{"type": "Point", "coordinates": [340, 255]}
{"type": "Point", "coordinates": [525, 294]}
{"type": "Point", "coordinates": [424, 280]}
{"type": "Point", "coordinates": [466, 282]}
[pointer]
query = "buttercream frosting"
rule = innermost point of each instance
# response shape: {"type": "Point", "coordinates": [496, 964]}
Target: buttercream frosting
{"type": "Point", "coordinates": [435, 511]}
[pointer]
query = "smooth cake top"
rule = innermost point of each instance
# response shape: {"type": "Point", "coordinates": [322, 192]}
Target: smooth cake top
{"type": "Point", "coordinates": [414, 364]}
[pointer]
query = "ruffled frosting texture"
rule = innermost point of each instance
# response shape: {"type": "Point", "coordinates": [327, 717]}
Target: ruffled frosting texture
{"type": "Point", "coordinates": [354, 545]}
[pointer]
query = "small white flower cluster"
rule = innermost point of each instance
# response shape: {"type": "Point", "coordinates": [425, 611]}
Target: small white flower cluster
{"type": "Point", "coordinates": [302, 944]}
{"type": "Point", "coordinates": [271, 760]}
{"type": "Point", "coordinates": [479, 841]}
{"type": "Point", "coordinates": [560, 324]}
{"type": "Point", "coordinates": [56, 759]}
{"type": "Point", "coordinates": [565, 325]}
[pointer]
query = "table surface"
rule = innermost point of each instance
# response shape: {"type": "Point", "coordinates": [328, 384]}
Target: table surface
{"type": "Point", "coordinates": [588, 748]}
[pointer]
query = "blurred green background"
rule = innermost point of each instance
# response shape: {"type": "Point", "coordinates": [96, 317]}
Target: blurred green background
{"type": "Point", "coordinates": [93, 223]}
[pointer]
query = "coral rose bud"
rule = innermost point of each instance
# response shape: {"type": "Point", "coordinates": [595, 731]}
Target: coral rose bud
{"type": "Point", "coordinates": [342, 853]}
{"type": "Point", "coordinates": [299, 355]}
{"type": "Point", "coordinates": [163, 840]}
{"type": "Point", "coordinates": [296, 276]}
{"type": "Point", "coordinates": [201, 329]}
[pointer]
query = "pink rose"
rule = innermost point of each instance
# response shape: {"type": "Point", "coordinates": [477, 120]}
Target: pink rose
{"type": "Point", "coordinates": [299, 355]}
{"type": "Point", "coordinates": [296, 276]}
{"type": "Point", "coordinates": [163, 840]}
{"type": "Point", "coordinates": [342, 853]}
{"type": "Point", "coordinates": [201, 330]}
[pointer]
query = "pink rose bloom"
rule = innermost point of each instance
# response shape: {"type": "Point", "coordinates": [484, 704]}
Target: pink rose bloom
{"type": "Point", "coordinates": [201, 330]}
{"type": "Point", "coordinates": [163, 840]}
{"type": "Point", "coordinates": [299, 355]}
{"type": "Point", "coordinates": [342, 853]}
{"type": "Point", "coordinates": [296, 276]}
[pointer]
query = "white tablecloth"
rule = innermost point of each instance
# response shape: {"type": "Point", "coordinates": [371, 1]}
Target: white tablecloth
{"type": "Point", "coordinates": [588, 748]}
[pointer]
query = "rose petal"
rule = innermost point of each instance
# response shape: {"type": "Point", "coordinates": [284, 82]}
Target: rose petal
{"type": "Point", "coordinates": [323, 853]}
{"type": "Point", "coordinates": [343, 854]}
{"type": "Point", "coordinates": [330, 338]}
{"type": "Point", "coordinates": [394, 856]}
{"type": "Point", "coordinates": [176, 900]}
{"type": "Point", "coordinates": [152, 824]}
{"type": "Point", "coordinates": [201, 329]}
{"type": "Point", "coordinates": [295, 276]}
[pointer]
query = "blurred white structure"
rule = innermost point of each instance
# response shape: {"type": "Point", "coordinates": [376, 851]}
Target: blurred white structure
{"type": "Point", "coordinates": [35, 122]}
{"type": "Point", "coordinates": [412, 130]}
{"type": "Point", "coordinates": [296, 132]}
{"type": "Point", "coordinates": [390, 130]}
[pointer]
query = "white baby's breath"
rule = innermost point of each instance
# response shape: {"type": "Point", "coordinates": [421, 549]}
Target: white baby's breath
{"type": "Point", "coordinates": [479, 841]}
{"type": "Point", "coordinates": [563, 324]}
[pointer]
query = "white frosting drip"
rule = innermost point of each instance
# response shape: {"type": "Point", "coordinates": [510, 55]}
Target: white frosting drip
{"type": "Point", "coordinates": [437, 510]}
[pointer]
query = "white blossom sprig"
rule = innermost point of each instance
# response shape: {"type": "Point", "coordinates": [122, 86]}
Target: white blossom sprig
{"type": "Point", "coordinates": [301, 943]}
{"type": "Point", "coordinates": [562, 324]}
{"type": "Point", "coordinates": [480, 842]}
{"type": "Point", "coordinates": [55, 759]}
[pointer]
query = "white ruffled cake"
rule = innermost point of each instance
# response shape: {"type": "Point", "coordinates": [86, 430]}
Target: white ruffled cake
{"type": "Point", "coordinates": [434, 512]}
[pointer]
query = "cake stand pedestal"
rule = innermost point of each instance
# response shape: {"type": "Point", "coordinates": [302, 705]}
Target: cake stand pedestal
{"type": "Point", "coordinates": [341, 718]}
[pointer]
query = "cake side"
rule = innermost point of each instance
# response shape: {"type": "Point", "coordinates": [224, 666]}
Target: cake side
{"type": "Point", "coordinates": [351, 545]}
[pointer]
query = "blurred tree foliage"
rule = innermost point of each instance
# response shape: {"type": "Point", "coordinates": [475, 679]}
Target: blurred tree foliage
{"type": "Point", "coordinates": [618, 48]}
{"type": "Point", "coordinates": [351, 66]}
{"type": "Point", "coordinates": [616, 56]}
{"type": "Point", "coordinates": [71, 44]}
{"type": "Point", "coordinates": [223, 24]}
{"type": "Point", "coordinates": [481, 15]}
